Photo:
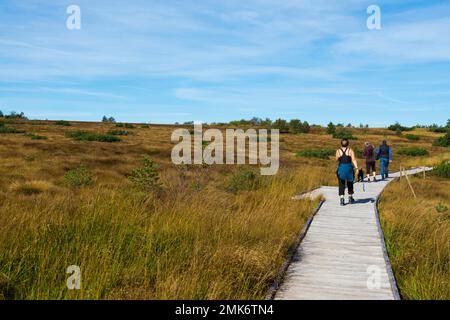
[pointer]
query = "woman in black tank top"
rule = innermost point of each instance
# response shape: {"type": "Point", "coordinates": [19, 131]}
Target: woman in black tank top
{"type": "Point", "coordinates": [346, 170]}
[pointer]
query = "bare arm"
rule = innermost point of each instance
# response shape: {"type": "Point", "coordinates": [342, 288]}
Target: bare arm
{"type": "Point", "coordinates": [352, 155]}
{"type": "Point", "coordinates": [338, 154]}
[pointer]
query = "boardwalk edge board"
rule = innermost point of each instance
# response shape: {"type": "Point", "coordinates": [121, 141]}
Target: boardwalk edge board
{"type": "Point", "coordinates": [284, 268]}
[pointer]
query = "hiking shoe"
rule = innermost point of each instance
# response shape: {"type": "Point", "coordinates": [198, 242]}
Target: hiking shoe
{"type": "Point", "coordinates": [342, 202]}
{"type": "Point", "coordinates": [351, 200]}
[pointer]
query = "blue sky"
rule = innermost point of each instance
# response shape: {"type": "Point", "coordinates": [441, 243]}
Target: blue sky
{"type": "Point", "coordinates": [219, 60]}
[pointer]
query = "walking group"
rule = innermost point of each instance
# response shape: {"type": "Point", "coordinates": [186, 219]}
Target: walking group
{"type": "Point", "coordinates": [348, 165]}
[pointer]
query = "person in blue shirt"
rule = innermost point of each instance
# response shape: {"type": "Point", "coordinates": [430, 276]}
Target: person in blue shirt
{"type": "Point", "coordinates": [384, 154]}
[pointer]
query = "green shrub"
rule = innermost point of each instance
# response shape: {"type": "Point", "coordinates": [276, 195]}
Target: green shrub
{"type": "Point", "coordinates": [281, 125]}
{"type": "Point", "coordinates": [297, 126]}
{"type": "Point", "coordinates": [89, 136]}
{"type": "Point", "coordinates": [146, 178]}
{"type": "Point", "coordinates": [317, 153]}
{"type": "Point", "coordinates": [118, 132]}
{"type": "Point", "coordinates": [29, 158]}
{"type": "Point", "coordinates": [6, 130]}
{"type": "Point", "coordinates": [15, 115]}
{"type": "Point", "coordinates": [62, 123]}
{"type": "Point", "coordinates": [35, 137]}
{"type": "Point", "coordinates": [398, 127]}
{"type": "Point", "coordinates": [412, 137]}
{"type": "Point", "coordinates": [442, 169]}
{"type": "Point", "coordinates": [439, 129]}
{"type": "Point", "coordinates": [125, 125]}
{"type": "Point", "coordinates": [358, 153]}
{"type": "Point", "coordinates": [331, 128]}
{"type": "Point", "coordinates": [243, 180]}
{"type": "Point", "coordinates": [413, 152]}
{"type": "Point", "coordinates": [443, 141]}
{"type": "Point", "coordinates": [344, 134]}
{"type": "Point", "coordinates": [441, 208]}
{"type": "Point", "coordinates": [78, 177]}
{"type": "Point", "coordinates": [105, 119]}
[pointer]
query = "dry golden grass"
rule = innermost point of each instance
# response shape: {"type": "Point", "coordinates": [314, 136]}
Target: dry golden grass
{"type": "Point", "coordinates": [417, 235]}
{"type": "Point", "coordinates": [31, 187]}
{"type": "Point", "coordinates": [194, 240]}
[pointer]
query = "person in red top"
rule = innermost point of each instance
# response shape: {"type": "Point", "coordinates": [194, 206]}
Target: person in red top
{"type": "Point", "coordinates": [369, 155]}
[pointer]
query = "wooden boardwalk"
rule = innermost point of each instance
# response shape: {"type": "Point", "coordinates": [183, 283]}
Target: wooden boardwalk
{"type": "Point", "coordinates": [343, 255]}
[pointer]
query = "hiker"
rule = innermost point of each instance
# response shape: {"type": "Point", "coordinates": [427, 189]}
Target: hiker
{"type": "Point", "coordinates": [369, 155]}
{"type": "Point", "coordinates": [346, 170]}
{"type": "Point", "coordinates": [384, 154]}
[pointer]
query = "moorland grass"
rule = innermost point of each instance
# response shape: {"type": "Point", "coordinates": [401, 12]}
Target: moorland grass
{"type": "Point", "coordinates": [194, 239]}
{"type": "Point", "coordinates": [417, 236]}
{"type": "Point", "coordinates": [190, 245]}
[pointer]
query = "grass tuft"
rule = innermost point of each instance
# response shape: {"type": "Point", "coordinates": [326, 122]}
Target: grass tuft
{"type": "Point", "coordinates": [78, 177]}
{"type": "Point", "coordinates": [30, 187]}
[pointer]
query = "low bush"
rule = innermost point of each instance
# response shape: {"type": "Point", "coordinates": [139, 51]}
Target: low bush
{"type": "Point", "coordinates": [297, 126]}
{"type": "Point", "coordinates": [125, 125]}
{"type": "Point", "coordinates": [243, 180]}
{"type": "Point", "coordinates": [344, 134]}
{"type": "Point", "coordinates": [29, 158]}
{"type": "Point", "coordinates": [398, 127]}
{"type": "Point", "coordinates": [146, 178]}
{"type": "Point", "coordinates": [281, 125]}
{"type": "Point", "coordinates": [442, 169]}
{"type": "Point", "coordinates": [358, 153]}
{"type": "Point", "coordinates": [412, 137]}
{"type": "Point", "coordinates": [15, 115]}
{"type": "Point", "coordinates": [443, 141]}
{"type": "Point", "coordinates": [118, 132]}
{"type": "Point", "coordinates": [35, 137]}
{"type": "Point", "coordinates": [5, 130]}
{"type": "Point", "coordinates": [78, 177]}
{"type": "Point", "coordinates": [89, 136]}
{"type": "Point", "coordinates": [441, 208]}
{"type": "Point", "coordinates": [413, 152]}
{"type": "Point", "coordinates": [317, 153]}
{"type": "Point", "coordinates": [62, 123]}
{"type": "Point", "coordinates": [437, 129]}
